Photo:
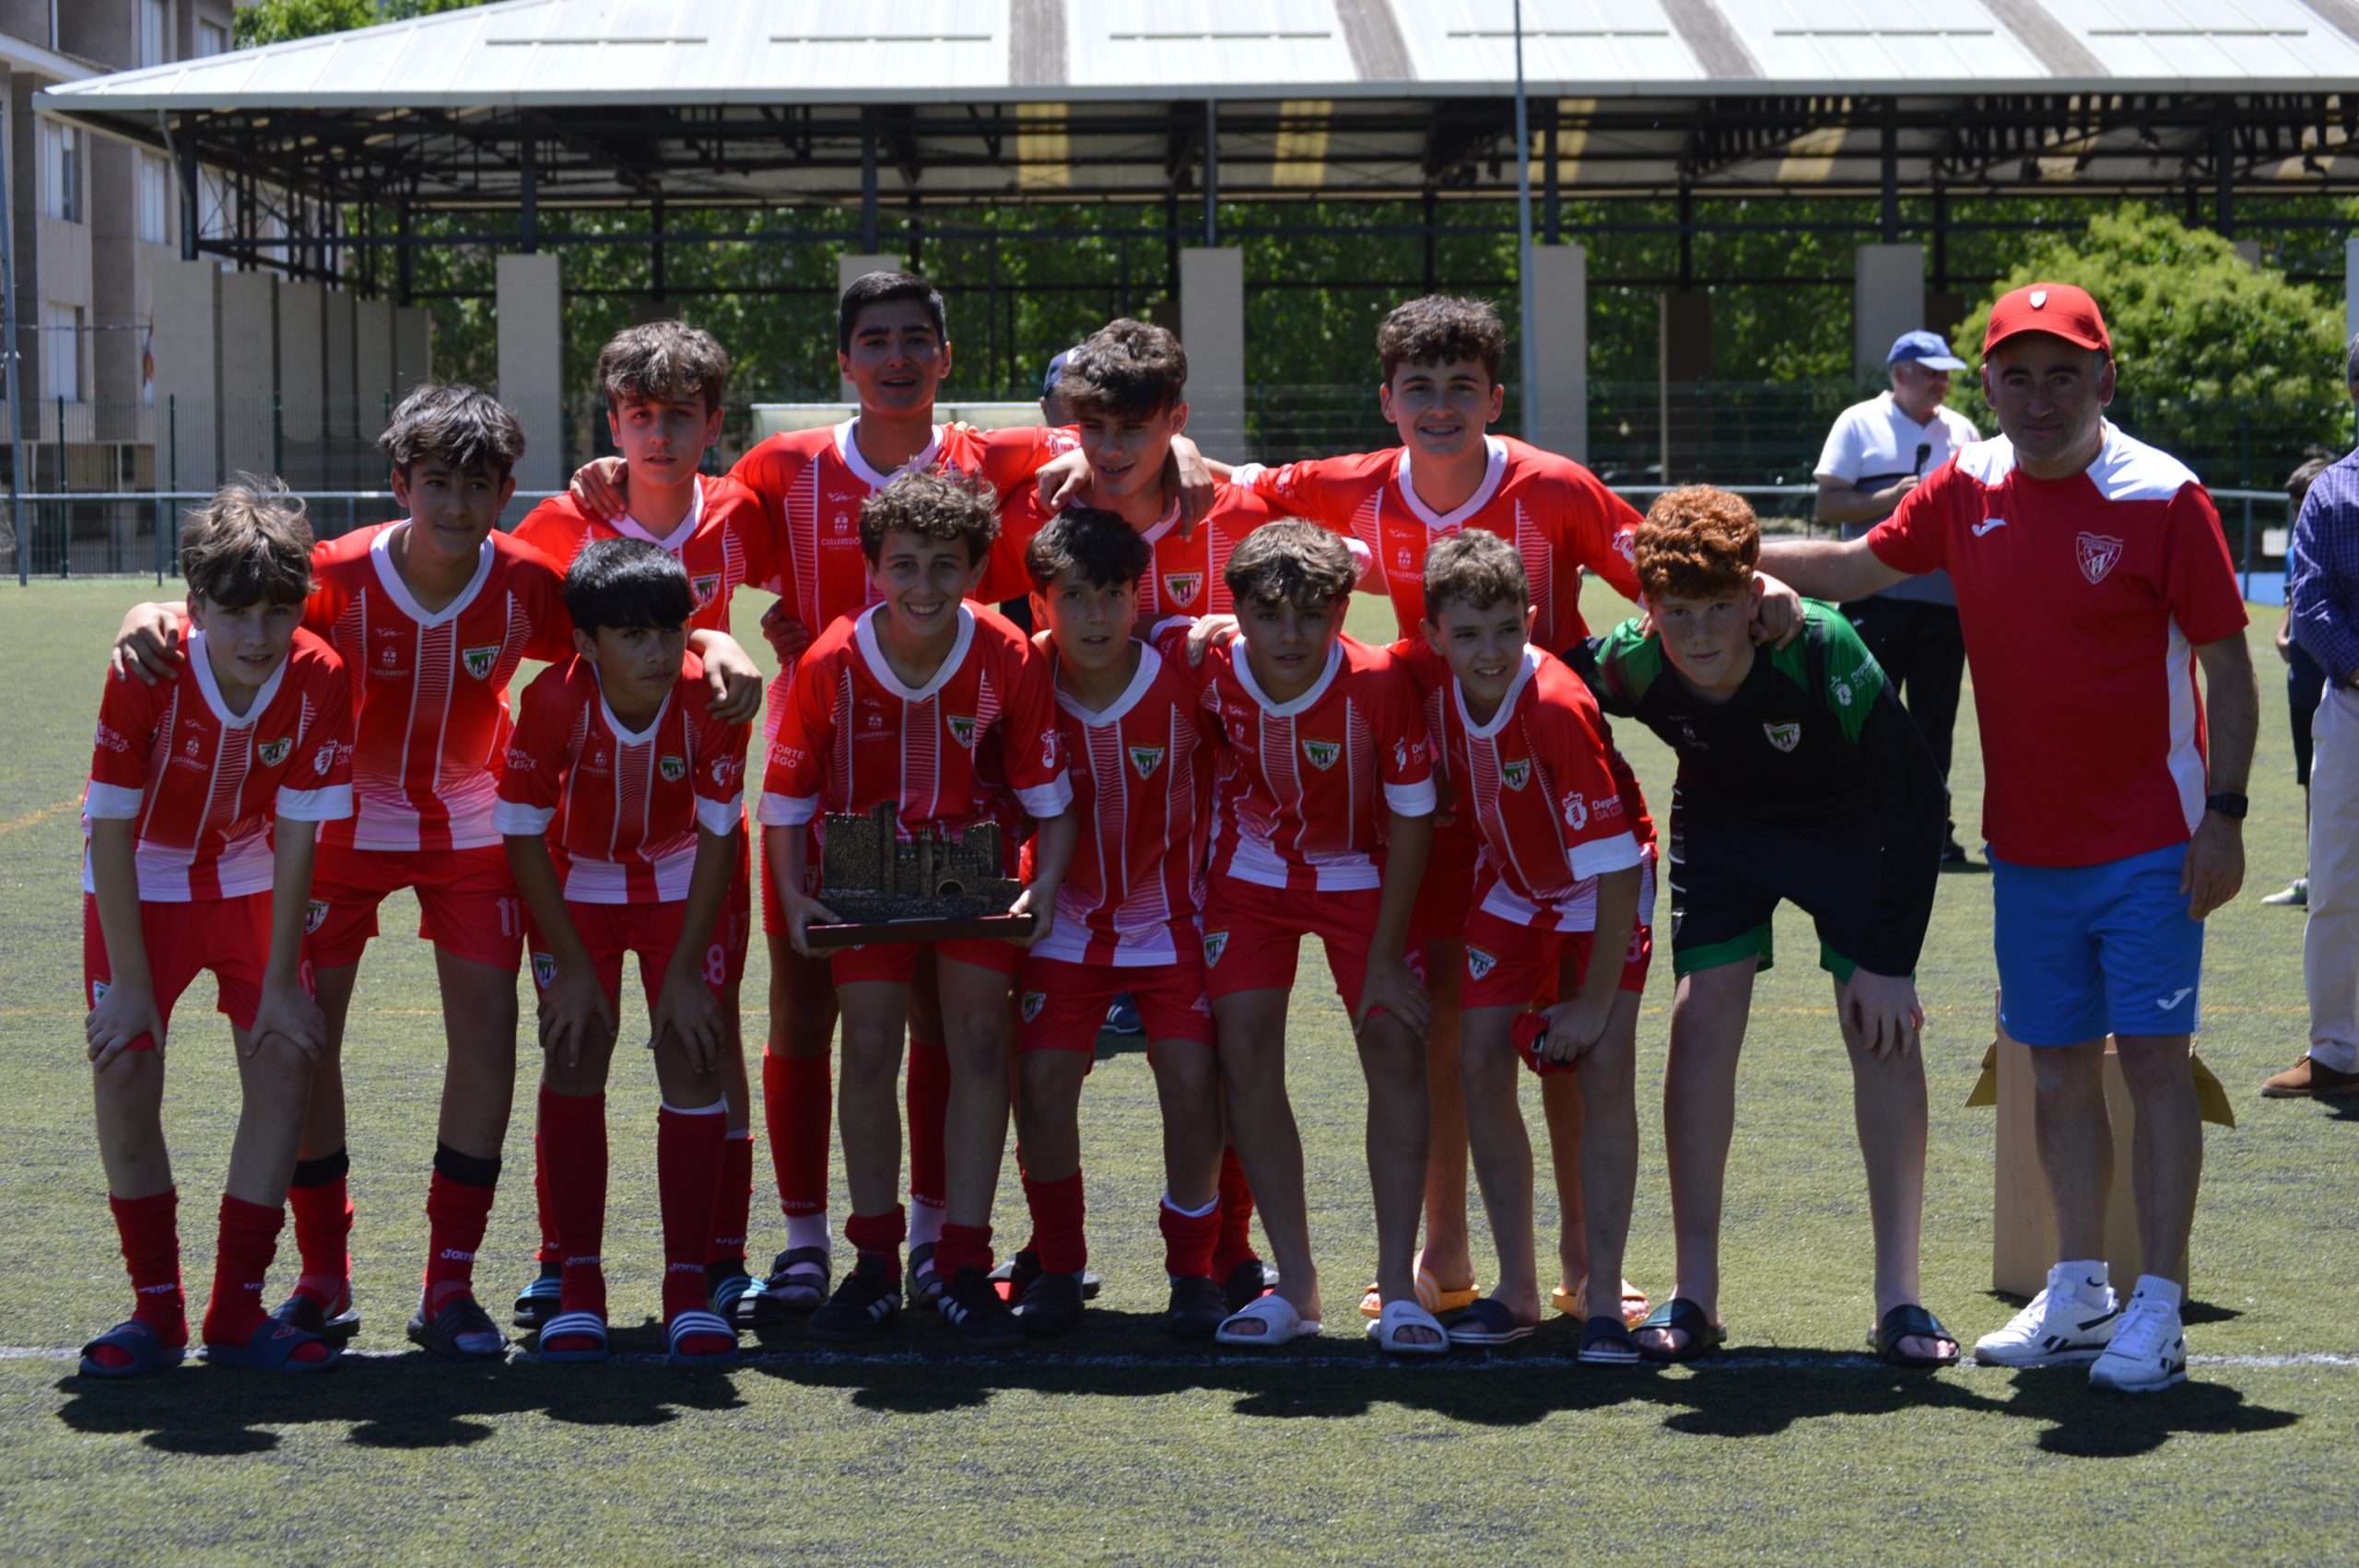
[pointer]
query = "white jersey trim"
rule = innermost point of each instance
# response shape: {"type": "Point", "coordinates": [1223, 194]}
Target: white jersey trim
{"type": "Point", "coordinates": [873, 655]}
{"type": "Point", "coordinates": [721, 818]}
{"type": "Point", "coordinates": [786, 811]}
{"type": "Point", "coordinates": [847, 448]}
{"type": "Point", "coordinates": [381, 556]}
{"type": "Point", "coordinates": [331, 802]}
{"type": "Point", "coordinates": [1243, 666]}
{"type": "Point", "coordinates": [1506, 703]}
{"type": "Point", "coordinates": [1411, 800]}
{"type": "Point", "coordinates": [113, 803]}
{"type": "Point", "coordinates": [1494, 470]}
{"type": "Point", "coordinates": [2128, 469]}
{"type": "Point", "coordinates": [1045, 801]}
{"type": "Point", "coordinates": [630, 527]}
{"type": "Point", "coordinates": [203, 664]}
{"type": "Point", "coordinates": [514, 817]}
{"type": "Point", "coordinates": [1150, 664]}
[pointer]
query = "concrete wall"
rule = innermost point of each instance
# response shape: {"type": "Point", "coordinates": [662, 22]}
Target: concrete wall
{"type": "Point", "coordinates": [1212, 310]}
{"type": "Point", "coordinates": [413, 348]}
{"type": "Point", "coordinates": [531, 319]}
{"type": "Point", "coordinates": [372, 364]}
{"type": "Point", "coordinates": [1560, 330]}
{"type": "Point", "coordinates": [250, 360]}
{"type": "Point", "coordinates": [302, 359]}
{"type": "Point", "coordinates": [337, 351]}
{"type": "Point", "coordinates": [188, 374]}
{"type": "Point", "coordinates": [1887, 299]}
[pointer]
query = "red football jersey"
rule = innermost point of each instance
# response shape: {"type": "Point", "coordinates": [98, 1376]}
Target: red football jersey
{"type": "Point", "coordinates": [2082, 601]}
{"type": "Point", "coordinates": [849, 736]}
{"type": "Point", "coordinates": [1185, 578]}
{"type": "Point", "coordinates": [1305, 789]}
{"type": "Point", "coordinates": [1539, 783]}
{"type": "Point", "coordinates": [723, 543]}
{"type": "Point", "coordinates": [812, 484]}
{"type": "Point", "coordinates": [430, 691]}
{"type": "Point", "coordinates": [1561, 520]}
{"type": "Point", "coordinates": [621, 807]}
{"type": "Point", "coordinates": [204, 784]}
{"type": "Point", "coordinates": [1141, 775]}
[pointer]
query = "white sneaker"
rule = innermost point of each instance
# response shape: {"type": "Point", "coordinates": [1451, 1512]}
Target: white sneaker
{"type": "Point", "coordinates": [2148, 1352]}
{"type": "Point", "coordinates": [2060, 1328]}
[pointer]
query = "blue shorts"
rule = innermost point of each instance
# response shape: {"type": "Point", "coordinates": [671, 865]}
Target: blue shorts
{"type": "Point", "coordinates": [2088, 950]}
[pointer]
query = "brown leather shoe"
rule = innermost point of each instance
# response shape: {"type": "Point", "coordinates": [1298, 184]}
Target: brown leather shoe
{"type": "Point", "coordinates": [2309, 1079]}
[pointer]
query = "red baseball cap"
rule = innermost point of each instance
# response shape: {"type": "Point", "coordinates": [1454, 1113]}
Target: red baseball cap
{"type": "Point", "coordinates": [2059, 309]}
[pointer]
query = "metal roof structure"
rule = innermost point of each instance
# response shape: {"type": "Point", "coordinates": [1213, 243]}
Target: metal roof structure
{"type": "Point", "coordinates": [541, 104]}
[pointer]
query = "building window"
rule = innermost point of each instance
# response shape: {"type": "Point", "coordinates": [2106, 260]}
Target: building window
{"type": "Point", "coordinates": [62, 328]}
{"type": "Point", "coordinates": [211, 38]}
{"type": "Point", "coordinates": [61, 171]}
{"type": "Point", "coordinates": [155, 32]}
{"type": "Point", "coordinates": [155, 200]}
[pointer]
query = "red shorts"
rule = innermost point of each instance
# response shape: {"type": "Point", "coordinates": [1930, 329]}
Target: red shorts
{"type": "Point", "coordinates": [896, 963]}
{"type": "Point", "coordinates": [1253, 937]}
{"type": "Point", "coordinates": [650, 930]}
{"type": "Point", "coordinates": [1513, 965]}
{"type": "Point", "coordinates": [1447, 891]}
{"type": "Point", "coordinates": [736, 929]}
{"type": "Point", "coordinates": [228, 936]}
{"type": "Point", "coordinates": [467, 898]}
{"type": "Point", "coordinates": [1062, 1005]}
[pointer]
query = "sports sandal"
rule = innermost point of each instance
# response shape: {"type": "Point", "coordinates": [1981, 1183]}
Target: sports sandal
{"type": "Point", "coordinates": [1018, 1272]}
{"type": "Point", "coordinates": [697, 1324]}
{"type": "Point", "coordinates": [797, 1284]}
{"type": "Point", "coordinates": [925, 1285]}
{"type": "Point", "coordinates": [970, 1304]}
{"type": "Point", "coordinates": [305, 1312]}
{"type": "Point", "coordinates": [537, 1302]}
{"type": "Point", "coordinates": [1249, 1282]}
{"type": "Point", "coordinates": [1398, 1318]}
{"type": "Point", "coordinates": [728, 1291]}
{"type": "Point", "coordinates": [1680, 1316]}
{"type": "Point", "coordinates": [271, 1348]}
{"type": "Point", "coordinates": [1488, 1322]}
{"type": "Point", "coordinates": [462, 1331]}
{"type": "Point", "coordinates": [866, 1304]}
{"type": "Point", "coordinates": [1430, 1295]}
{"type": "Point", "coordinates": [1278, 1323]}
{"type": "Point", "coordinates": [1197, 1308]}
{"type": "Point", "coordinates": [1575, 1303]}
{"type": "Point", "coordinates": [1910, 1321]}
{"type": "Point", "coordinates": [574, 1325]}
{"type": "Point", "coordinates": [1606, 1342]}
{"type": "Point", "coordinates": [139, 1342]}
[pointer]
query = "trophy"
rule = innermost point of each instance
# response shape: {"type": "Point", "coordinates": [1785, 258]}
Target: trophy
{"type": "Point", "coordinates": [929, 886]}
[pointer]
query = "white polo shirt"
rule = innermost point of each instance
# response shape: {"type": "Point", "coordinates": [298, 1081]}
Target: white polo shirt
{"type": "Point", "coordinates": [1874, 444]}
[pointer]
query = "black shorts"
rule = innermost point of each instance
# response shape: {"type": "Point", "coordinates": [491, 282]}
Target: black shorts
{"type": "Point", "coordinates": [1728, 872]}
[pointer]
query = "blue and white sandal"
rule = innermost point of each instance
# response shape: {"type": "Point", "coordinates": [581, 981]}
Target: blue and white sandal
{"type": "Point", "coordinates": [693, 1323]}
{"type": "Point", "coordinates": [572, 1325]}
{"type": "Point", "coordinates": [537, 1302]}
{"type": "Point", "coordinates": [141, 1343]}
{"type": "Point", "coordinates": [272, 1347]}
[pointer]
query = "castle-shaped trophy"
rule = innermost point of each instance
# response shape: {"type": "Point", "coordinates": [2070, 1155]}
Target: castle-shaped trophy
{"type": "Point", "coordinates": [931, 886]}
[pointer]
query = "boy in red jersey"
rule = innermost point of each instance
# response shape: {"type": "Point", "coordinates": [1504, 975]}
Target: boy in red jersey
{"type": "Point", "coordinates": [1321, 819]}
{"type": "Point", "coordinates": [621, 802]}
{"type": "Point", "coordinates": [1560, 909]}
{"type": "Point", "coordinates": [206, 792]}
{"type": "Point", "coordinates": [662, 382]}
{"type": "Point", "coordinates": [1140, 748]}
{"type": "Point", "coordinates": [432, 614]}
{"type": "Point", "coordinates": [893, 705]}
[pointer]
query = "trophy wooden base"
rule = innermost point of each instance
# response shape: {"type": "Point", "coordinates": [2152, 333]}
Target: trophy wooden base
{"type": "Point", "coordinates": [865, 933]}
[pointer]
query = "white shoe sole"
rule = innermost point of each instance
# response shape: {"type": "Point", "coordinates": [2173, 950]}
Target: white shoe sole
{"type": "Point", "coordinates": [2108, 1386]}
{"type": "Point", "coordinates": [2085, 1356]}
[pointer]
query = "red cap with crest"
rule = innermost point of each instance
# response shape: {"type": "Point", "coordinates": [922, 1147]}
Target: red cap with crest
{"type": "Point", "coordinates": [2057, 308]}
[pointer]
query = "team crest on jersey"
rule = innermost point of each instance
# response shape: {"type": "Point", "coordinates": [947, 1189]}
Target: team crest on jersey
{"type": "Point", "coordinates": [543, 970]}
{"type": "Point", "coordinates": [1322, 753]}
{"type": "Point", "coordinates": [706, 587]}
{"type": "Point", "coordinates": [315, 914]}
{"type": "Point", "coordinates": [1843, 693]}
{"type": "Point", "coordinates": [962, 729]}
{"type": "Point", "coordinates": [2096, 552]}
{"type": "Point", "coordinates": [1215, 943]}
{"type": "Point", "coordinates": [1145, 760]}
{"type": "Point", "coordinates": [1183, 587]}
{"type": "Point", "coordinates": [98, 993]}
{"type": "Point", "coordinates": [273, 753]}
{"type": "Point", "coordinates": [1033, 1003]}
{"type": "Point", "coordinates": [479, 660]}
{"type": "Point", "coordinates": [1785, 737]}
{"type": "Point", "coordinates": [1479, 963]}
{"type": "Point", "coordinates": [1517, 774]}
{"type": "Point", "coordinates": [673, 768]}
{"type": "Point", "coordinates": [1575, 811]}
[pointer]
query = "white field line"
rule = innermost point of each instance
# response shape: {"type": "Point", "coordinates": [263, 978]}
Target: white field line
{"type": "Point", "coordinates": [1282, 1360]}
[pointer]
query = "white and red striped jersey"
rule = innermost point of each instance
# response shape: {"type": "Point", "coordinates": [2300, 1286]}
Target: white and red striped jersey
{"type": "Point", "coordinates": [204, 784]}
{"type": "Point", "coordinates": [1305, 790]}
{"type": "Point", "coordinates": [812, 484]}
{"type": "Point", "coordinates": [850, 735]}
{"type": "Point", "coordinates": [1186, 576]}
{"type": "Point", "coordinates": [1538, 782]}
{"type": "Point", "coordinates": [1561, 520]}
{"type": "Point", "coordinates": [621, 807]}
{"type": "Point", "coordinates": [724, 544]}
{"type": "Point", "coordinates": [1142, 779]}
{"type": "Point", "coordinates": [429, 691]}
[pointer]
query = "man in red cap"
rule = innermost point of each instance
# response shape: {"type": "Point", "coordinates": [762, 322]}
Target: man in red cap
{"type": "Point", "coordinates": [2091, 578]}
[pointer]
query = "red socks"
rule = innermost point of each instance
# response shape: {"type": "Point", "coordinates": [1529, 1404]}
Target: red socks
{"type": "Point", "coordinates": [733, 1199]}
{"type": "Point", "coordinates": [880, 1236]}
{"type": "Point", "coordinates": [969, 1247]}
{"type": "Point", "coordinates": [458, 1205]}
{"type": "Point", "coordinates": [573, 1151]}
{"type": "Point", "coordinates": [323, 1208]}
{"type": "Point", "coordinates": [1236, 1244]}
{"type": "Point", "coordinates": [796, 1103]}
{"type": "Point", "coordinates": [151, 1252]}
{"type": "Point", "coordinates": [1057, 1212]}
{"type": "Point", "coordinates": [1187, 1238]}
{"type": "Point", "coordinates": [929, 1105]}
{"type": "Point", "coordinates": [688, 1163]}
{"type": "Point", "coordinates": [548, 1251]}
{"type": "Point", "coordinates": [249, 1243]}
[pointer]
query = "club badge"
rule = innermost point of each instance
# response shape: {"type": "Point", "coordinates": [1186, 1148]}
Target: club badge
{"type": "Point", "coordinates": [1145, 760]}
{"type": "Point", "coordinates": [1322, 753]}
{"type": "Point", "coordinates": [479, 660]}
{"type": "Point", "coordinates": [1785, 737]}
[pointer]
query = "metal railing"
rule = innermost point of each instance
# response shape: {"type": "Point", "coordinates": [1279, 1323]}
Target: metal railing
{"type": "Point", "coordinates": [137, 532]}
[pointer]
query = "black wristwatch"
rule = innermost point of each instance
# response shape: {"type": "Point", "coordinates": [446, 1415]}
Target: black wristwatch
{"type": "Point", "coordinates": [2231, 806]}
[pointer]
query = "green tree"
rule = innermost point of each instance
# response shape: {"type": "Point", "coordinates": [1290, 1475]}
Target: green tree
{"type": "Point", "coordinates": [276, 21]}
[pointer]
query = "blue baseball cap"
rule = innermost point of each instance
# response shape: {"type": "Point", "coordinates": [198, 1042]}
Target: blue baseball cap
{"type": "Point", "coordinates": [1925, 349]}
{"type": "Point", "coordinates": [1056, 368]}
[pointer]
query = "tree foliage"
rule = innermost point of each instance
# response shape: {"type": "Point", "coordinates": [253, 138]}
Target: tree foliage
{"type": "Point", "coordinates": [276, 21]}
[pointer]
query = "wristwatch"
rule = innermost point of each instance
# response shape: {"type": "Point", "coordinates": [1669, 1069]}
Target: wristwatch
{"type": "Point", "coordinates": [2231, 806]}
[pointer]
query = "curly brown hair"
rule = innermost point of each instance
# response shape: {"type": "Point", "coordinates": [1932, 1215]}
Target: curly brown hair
{"type": "Point", "coordinates": [1126, 369]}
{"type": "Point", "coordinates": [1697, 543]}
{"type": "Point", "coordinates": [250, 545]}
{"type": "Point", "coordinates": [1474, 571]}
{"type": "Point", "coordinates": [931, 505]}
{"type": "Point", "coordinates": [1298, 562]}
{"type": "Point", "coordinates": [662, 362]}
{"type": "Point", "coordinates": [1439, 329]}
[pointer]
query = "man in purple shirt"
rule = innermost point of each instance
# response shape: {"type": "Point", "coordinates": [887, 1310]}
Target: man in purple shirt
{"type": "Point", "coordinates": [2322, 606]}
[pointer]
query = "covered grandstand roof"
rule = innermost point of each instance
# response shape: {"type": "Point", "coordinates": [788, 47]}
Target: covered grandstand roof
{"type": "Point", "coordinates": [765, 101]}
